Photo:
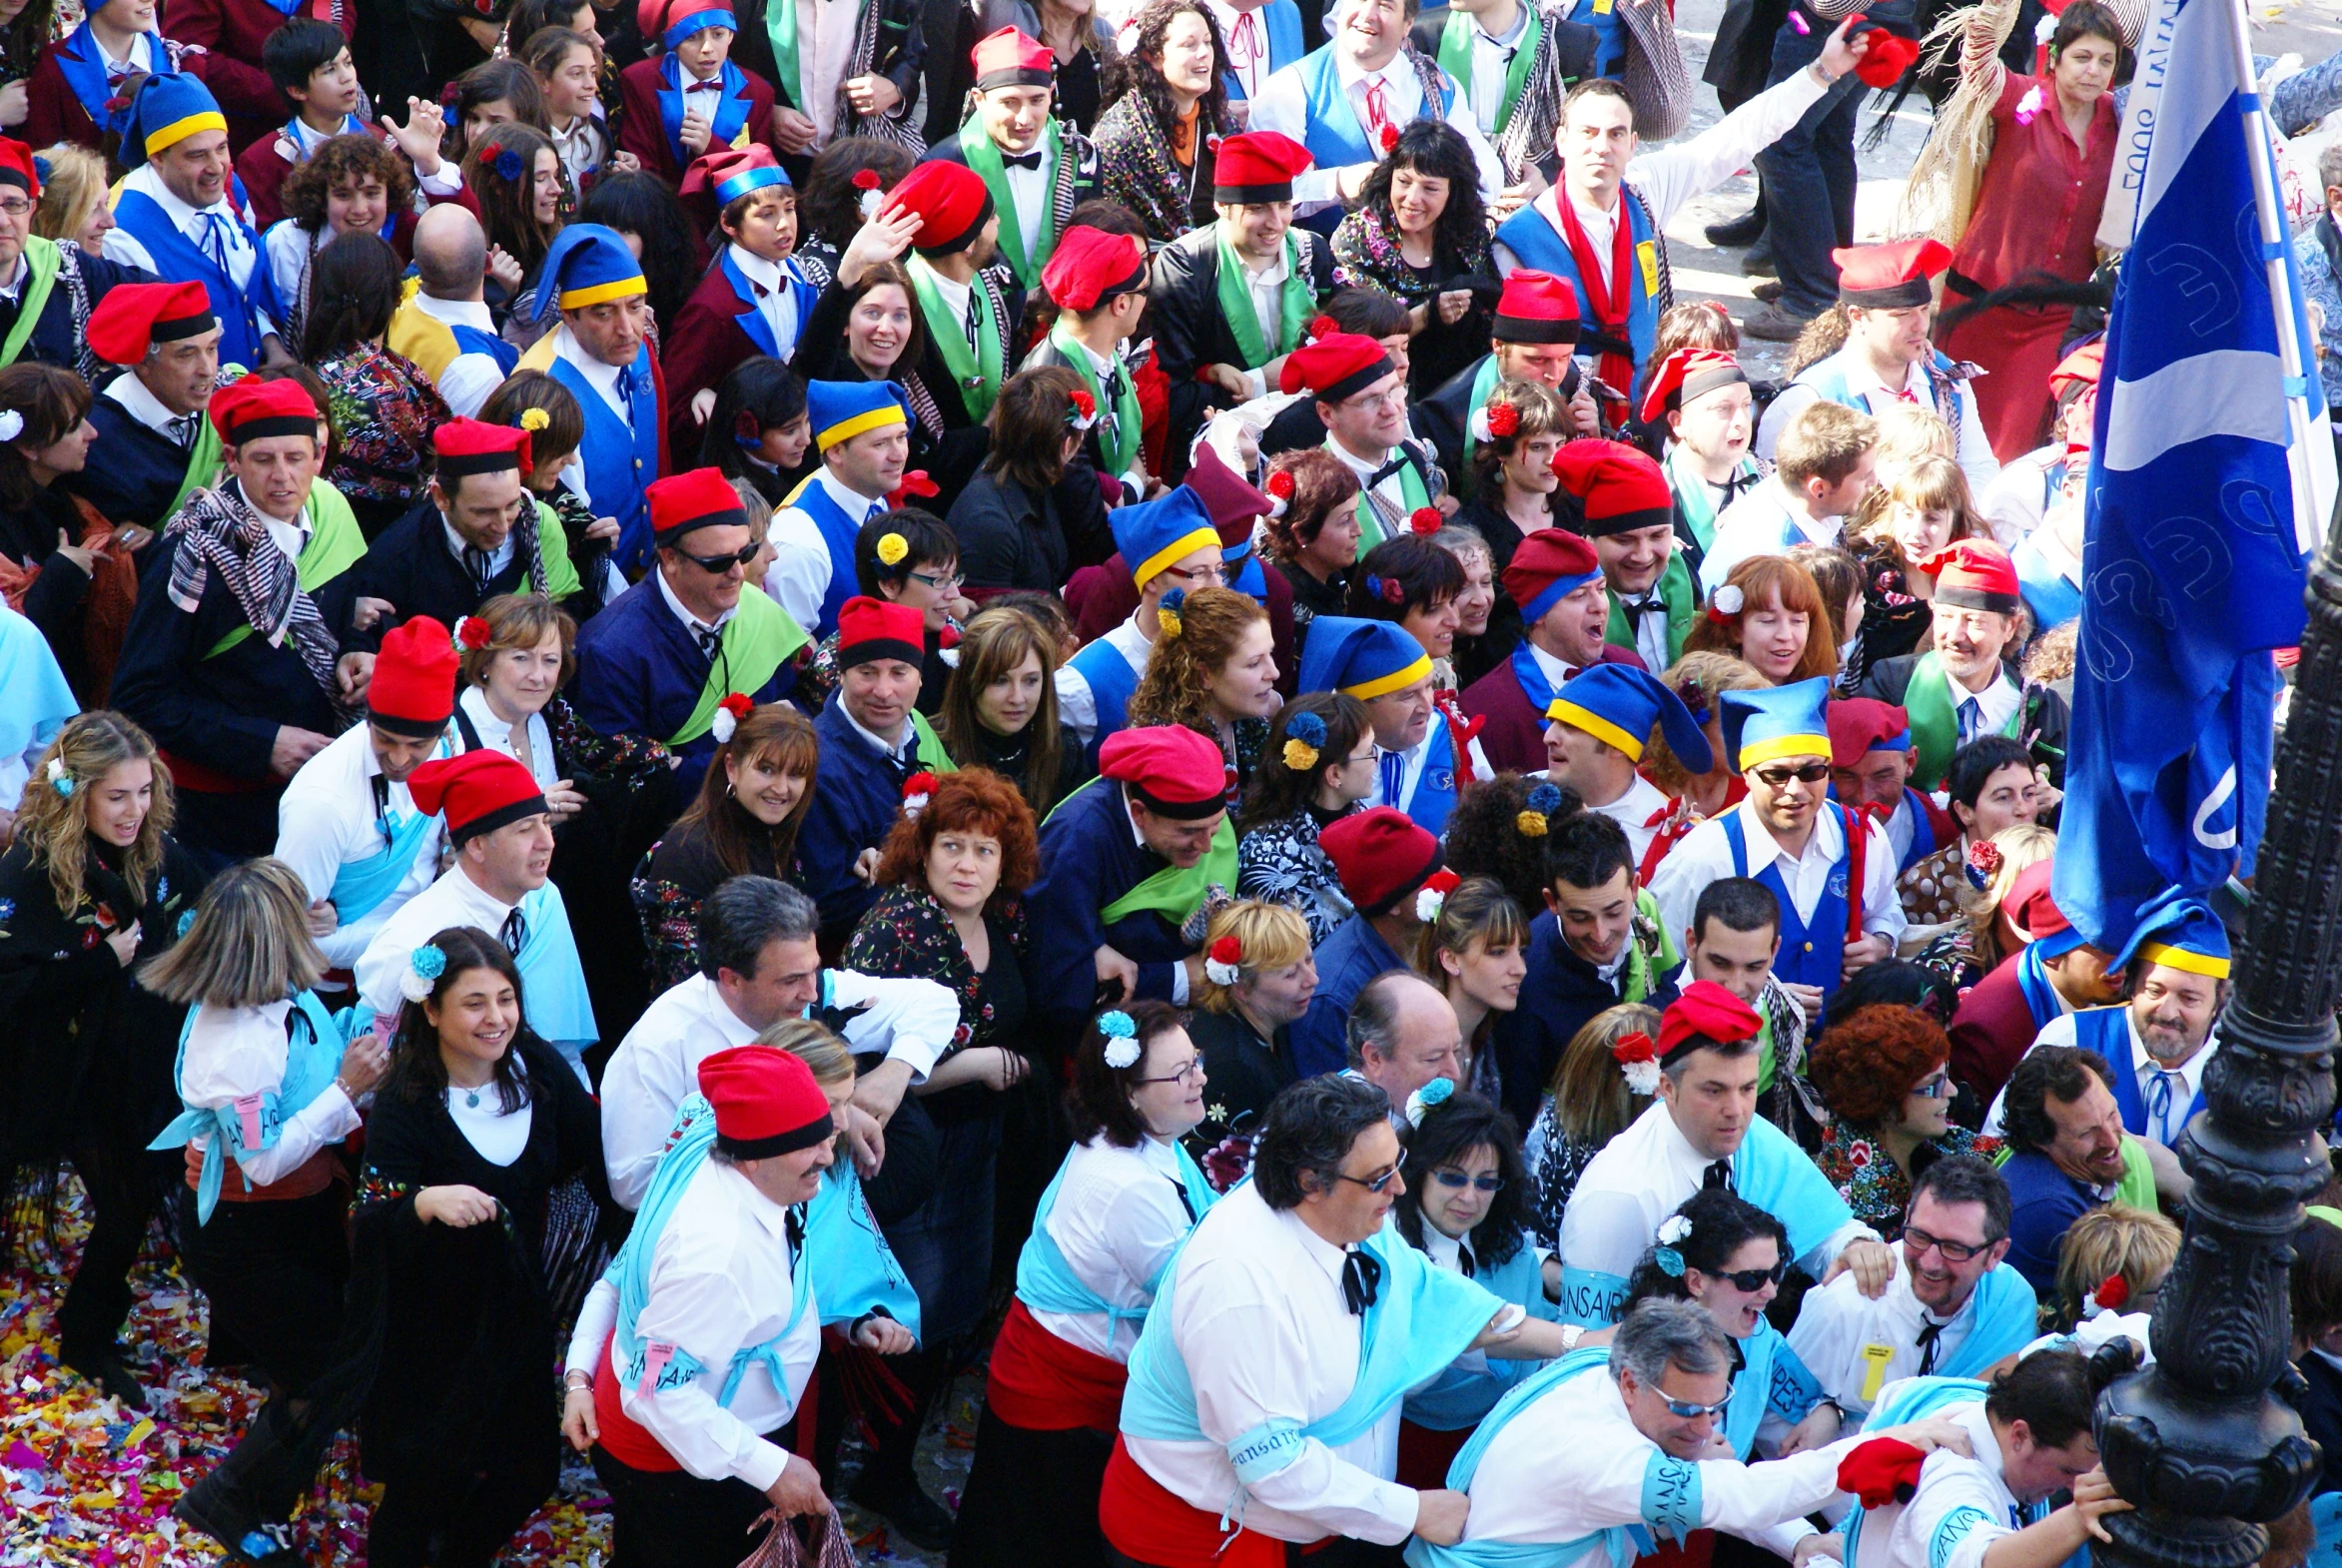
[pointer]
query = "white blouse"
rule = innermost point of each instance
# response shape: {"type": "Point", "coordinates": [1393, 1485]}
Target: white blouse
{"type": "Point", "coordinates": [497, 735]}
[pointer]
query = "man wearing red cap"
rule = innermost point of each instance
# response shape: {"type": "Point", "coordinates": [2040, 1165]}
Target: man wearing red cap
{"type": "Point", "coordinates": [1701, 401]}
{"type": "Point", "coordinates": [471, 537]}
{"type": "Point", "coordinates": [1037, 169]}
{"type": "Point", "coordinates": [1556, 579]}
{"type": "Point", "coordinates": [1362, 399]}
{"type": "Point", "coordinates": [347, 824]}
{"type": "Point", "coordinates": [1629, 517]}
{"type": "Point", "coordinates": [688, 98]}
{"type": "Point", "coordinates": [1870, 766]}
{"type": "Point", "coordinates": [49, 321]}
{"type": "Point", "coordinates": [1533, 339]}
{"type": "Point", "coordinates": [1383, 858]}
{"type": "Point", "coordinates": [1126, 864]}
{"type": "Point", "coordinates": [157, 447]}
{"type": "Point", "coordinates": [243, 657]}
{"type": "Point", "coordinates": [1097, 282]}
{"type": "Point", "coordinates": [501, 832]}
{"type": "Point", "coordinates": [1967, 685]}
{"type": "Point", "coordinates": [1887, 358]}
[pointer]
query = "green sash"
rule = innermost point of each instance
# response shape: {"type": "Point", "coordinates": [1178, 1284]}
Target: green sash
{"type": "Point", "coordinates": [1934, 725]}
{"type": "Point", "coordinates": [780, 27]}
{"type": "Point", "coordinates": [1483, 387]}
{"type": "Point", "coordinates": [203, 466]}
{"type": "Point", "coordinates": [40, 259]}
{"type": "Point", "coordinates": [977, 375]}
{"type": "Point", "coordinates": [1455, 58]}
{"type": "Point", "coordinates": [2136, 1189]}
{"type": "Point", "coordinates": [1410, 483]}
{"type": "Point", "coordinates": [1691, 494]}
{"type": "Point", "coordinates": [931, 755]}
{"type": "Point", "coordinates": [1175, 894]}
{"type": "Point", "coordinates": [985, 159]}
{"type": "Point", "coordinates": [757, 642]}
{"type": "Point", "coordinates": [552, 546]}
{"type": "Point", "coordinates": [1641, 974]}
{"type": "Point", "coordinates": [1675, 591]}
{"type": "Point", "coordinates": [1125, 450]}
{"type": "Point", "coordinates": [1296, 303]}
{"type": "Point", "coordinates": [333, 546]}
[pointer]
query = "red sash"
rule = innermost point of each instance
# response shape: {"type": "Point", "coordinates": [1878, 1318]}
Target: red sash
{"type": "Point", "coordinates": [1143, 1520]}
{"type": "Point", "coordinates": [306, 1179]}
{"type": "Point", "coordinates": [622, 1435]}
{"type": "Point", "coordinates": [1613, 307]}
{"type": "Point", "coordinates": [1045, 1384]}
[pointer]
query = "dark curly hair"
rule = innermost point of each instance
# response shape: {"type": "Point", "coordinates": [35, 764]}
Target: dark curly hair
{"type": "Point", "coordinates": [1450, 1130]}
{"type": "Point", "coordinates": [1438, 150]}
{"type": "Point", "coordinates": [1722, 1224]}
{"type": "Point", "coordinates": [2064, 1072]}
{"type": "Point", "coordinates": [1426, 575]}
{"type": "Point", "coordinates": [1279, 791]}
{"type": "Point", "coordinates": [418, 1071]}
{"type": "Point", "coordinates": [1865, 1062]}
{"type": "Point", "coordinates": [1484, 837]}
{"type": "Point", "coordinates": [1323, 484]}
{"type": "Point", "coordinates": [1099, 1098]}
{"type": "Point", "coordinates": [829, 208]}
{"type": "Point", "coordinates": [973, 800]}
{"type": "Point", "coordinates": [1138, 69]}
{"type": "Point", "coordinates": [2053, 1393]}
{"type": "Point", "coordinates": [1309, 1130]}
{"type": "Point", "coordinates": [339, 159]}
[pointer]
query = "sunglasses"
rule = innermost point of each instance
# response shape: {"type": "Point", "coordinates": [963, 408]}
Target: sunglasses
{"type": "Point", "coordinates": [1748, 1282]}
{"type": "Point", "coordinates": [1376, 1184]}
{"type": "Point", "coordinates": [1810, 773]}
{"type": "Point", "coordinates": [717, 565]}
{"type": "Point", "coordinates": [1953, 1251]}
{"type": "Point", "coordinates": [1683, 1410]}
{"type": "Point", "coordinates": [1459, 1179]}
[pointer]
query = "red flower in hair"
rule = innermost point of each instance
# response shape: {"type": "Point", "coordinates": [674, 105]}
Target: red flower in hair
{"type": "Point", "coordinates": [1323, 327]}
{"type": "Point", "coordinates": [737, 704]}
{"type": "Point", "coordinates": [1227, 949]}
{"type": "Point", "coordinates": [2112, 1291]}
{"type": "Point", "coordinates": [1084, 405]}
{"type": "Point", "coordinates": [1634, 1046]}
{"type": "Point", "coordinates": [866, 179]}
{"type": "Point", "coordinates": [1393, 591]}
{"type": "Point", "coordinates": [1504, 419]}
{"type": "Point", "coordinates": [949, 638]}
{"type": "Point", "coordinates": [1280, 486]}
{"type": "Point", "coordinates": [1424, 519]}
{"type": "Point", "coordinates": [1213, 140]}
{"type": "Point", "coordinates": [1984, 854]}
{"type": "Point", "coordinates": [472, 635]}
{"type": "Point", "coordinates": [1389, 137]}
{"type": "Point", "coordinates": [920, 783]}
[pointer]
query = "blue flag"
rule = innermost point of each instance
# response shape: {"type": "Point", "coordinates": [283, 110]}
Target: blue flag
{"type": "Point", "coordinates": [2193, 567]}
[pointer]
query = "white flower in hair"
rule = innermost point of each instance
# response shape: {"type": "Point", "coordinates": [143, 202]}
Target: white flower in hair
{"type": "Point", "coordinates": [1477, 425]}
{"type": "Point", "coordinates": [11, 424]}
{"type": "Point", "coordinates": [1433, 1093]}
{"type": "Point", "coordinates": [1642, 1078]}
{"type": "Point", "coordinates": [1729, 599]}
{"type": "Point", "coordinates": [1673, 1229]}
{"type": "Point", "coordinates": [423, 965]}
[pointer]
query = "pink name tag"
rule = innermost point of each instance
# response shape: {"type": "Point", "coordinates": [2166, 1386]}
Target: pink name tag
{"type": "Point", "coordinates": [655, 1357]}
{"type": "Point", "coordinates": [247, 1112]}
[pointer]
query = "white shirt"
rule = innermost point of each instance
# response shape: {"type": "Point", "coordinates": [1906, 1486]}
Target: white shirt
{"type": "Point", "coordinates": [1975, 448]}
{"type": "Point", "coordinates": [235, 236]}
{"type": "Point", "coordinates": [1633, 812]}
{"type": "Point", "coordinates": [497, 1136]}
{"type": "Point", "coordinates": [1705, 854]}
{"type": "Point", "coordinates": [1266, 289]}
{"type": "Point", "coordinates": [1493, 60]}
{"type": "Point", "coordinates": [1573, 1463]}
{"type": "Point", "coordinates": [1670, 176]}
{"type": "Point", "coordinates": [1282, 104]}
{"type": "Point", "coordinates": [1391, 487]}
{"type": "Point", "coordinates": [1650, 629]}
{"type": "Point", "coordinates": [468, 377]}
{"type": "Point", "coordinates": [1755, 524]}
{"type": "Point", "coordinates": [799, 577]}
{"type": "Point", "coordinates": [1418, 756]}
{"type": "Point", "coordinates": [1119, 1216]}
{"type": "Point", "coordinates": [1837, 1320]}
{"type": "Point", "coordinates": [326, 820]}
{"type": "Point", "coordinates": [1997, 704]}
{"type": "Point", "coordinates": [691, 622]}
{"type": "Point", "coordinates": [2019, 496]}
{"type": "Point", "coordinates": [497, 735]}
{"type": "Point", "coordinates": [1904, 1534]}
{"type": "Point", "coordinates": [454, 900]}
{"type": "Point", "coordinates": [581, 147]}
{"type": "Point", "coordinates": [141, 57]}
{"type": "Point", "coordinates": [825, 49]}
{"type": "Point", "coordinates": [1076, 704]}
{"type": "Point", "coordinates": [1029, 189]}
{"type": "Point", "coordinates": [1259, 1318]}
{"type": "Point", "coordinates": [775, 301]}
{"type": "Point", "coordinates": [1637, 1180]}
{"type": "Point", "coordinates": [2060, 1031]}
{"type": "Point", "coordinates": [1135, 481]}
{"type": "Point", "coordinates": [131, 396]}
{"type": "Point", "coordinates": [657, 1064]}
{"type": "Point", "coordinates": [232, 1053]}
{"type": "Point", "coordinates": [1245, 36]}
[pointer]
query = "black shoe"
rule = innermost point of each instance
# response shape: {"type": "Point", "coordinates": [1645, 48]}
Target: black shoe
{"type": "Point", "coordinates": [260, 1546]}
{"type": "Point", "coordinates": [915, 1516]}
{"type": "Point", "coordinates": [109, 1373]}
{"type": "Point", "coordinates": [1767, 290]}
{"type": "Point", "coordinates": [1743, 229]}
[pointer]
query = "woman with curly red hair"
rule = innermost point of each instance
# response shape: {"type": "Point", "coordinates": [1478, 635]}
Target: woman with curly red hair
{"type": "Point", "coordinates": [1884, 1074]}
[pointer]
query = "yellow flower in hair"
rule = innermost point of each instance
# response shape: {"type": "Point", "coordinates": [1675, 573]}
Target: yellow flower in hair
{"type": "Point", "coordinates": [1531, 823]}
{"type": "Point", "coordinates": [1299, 755]}
{"type": "Point", "coordinates": [1166, 614]}
{"type": "Point", "coordinates": [892, 548]}
{"type": "Point", "coordinates": [535, 419]}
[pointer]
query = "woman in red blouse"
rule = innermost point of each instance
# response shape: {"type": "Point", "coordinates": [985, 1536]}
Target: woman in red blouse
{"type": "Point", "coordinates": [2036, 207]}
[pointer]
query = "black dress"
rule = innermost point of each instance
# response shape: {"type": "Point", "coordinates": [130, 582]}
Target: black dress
{"type": "Point", "coordinates": [680, 871]}
{"type": "Point", "coordinates": [58, 596]}
{"type": "Point", "coordinates": [1009, 757]}
{"type": "Point", "coordinates": [462, 1423]}
{"type": "Point", "coordinates": [1313, 598]}
{"type": "Point", "coordinates": [1243, 1073]}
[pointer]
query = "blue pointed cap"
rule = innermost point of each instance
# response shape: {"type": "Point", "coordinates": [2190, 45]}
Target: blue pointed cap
{"type": "Point", "coordinates": [168, 110]}
{"type": "Point", "coordinates": [1774, 722]}
{"type": "Point", "coordinates": [1154, 534]}
{"type": "Point", "coordinates": [587, 263]}
{"type": "Point", "coordinates": [2180, 931]}
{"type": "Point", "coordinates": [1620, 705]}
{"type": "Point", "coordinates": [841, 410]}
{"type": "Point", "coordinates": [1364, 659]}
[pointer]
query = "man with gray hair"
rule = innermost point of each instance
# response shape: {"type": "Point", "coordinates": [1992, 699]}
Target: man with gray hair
{"type": "Point", "coordinates": [1602, 1448]}
{"type": "Point", "coordinates": [445, 325]}
{"type": "Point", "coordinates": [1403, 1034]}
{"type": "Point", "coordinates": [757, 966]}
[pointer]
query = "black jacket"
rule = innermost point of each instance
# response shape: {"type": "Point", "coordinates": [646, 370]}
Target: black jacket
{"type": "Point", "coordinates": [1562, 994]}
{"type": "Point", "coordinates": [410, 565]}
{"type": "Point", "coordinates": [1012, 536]}
{"type": "Point", "coordinates": [1190, 331]}
{"type": "Point", "coordinates": [1441, 417]}
{"type": "Point", "coordinates": [2043, 727]}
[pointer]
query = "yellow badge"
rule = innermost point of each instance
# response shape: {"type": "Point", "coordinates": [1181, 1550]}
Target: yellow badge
{"type": "Point", "coordinates": [1648, 254]}
{"type": "Point", "coordinates": [1602, 6]}
{"type": "Point", "coordinates": [1875, 1358]}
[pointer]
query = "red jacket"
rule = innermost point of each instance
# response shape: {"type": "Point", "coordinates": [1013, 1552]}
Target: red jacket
{"type": "Point", "coordinates": [1991, 1029]}
{"type": "Point", "coordinates": [644, 133]}
{"type": "Point", "coordinates": [53, 114]}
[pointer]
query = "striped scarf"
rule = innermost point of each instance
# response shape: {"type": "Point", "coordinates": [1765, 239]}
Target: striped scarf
{"type": "Point", "coordinates": [221, 535]}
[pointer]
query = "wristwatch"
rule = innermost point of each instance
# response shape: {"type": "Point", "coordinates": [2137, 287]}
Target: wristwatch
{"type": "Point", "coordinates": [1571, 1333]}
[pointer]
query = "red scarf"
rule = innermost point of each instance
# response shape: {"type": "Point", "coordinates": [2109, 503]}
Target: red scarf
{"type": "Point", "coordinates": [1612, 306]}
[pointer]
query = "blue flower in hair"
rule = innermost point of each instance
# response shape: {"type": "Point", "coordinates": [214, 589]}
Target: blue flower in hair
{"type": "Point", "coordinates": [509, 165]}
{"type": "Point", "coordinates": [186, 919]}
{"type": "Point", "coordinates": [429, 962]}
{"type": "Point", "coordinates": [1670, 1261]}
{"type": "Point", "coordinates": [40, 169]}
{"type": "Point", "coordinates": [1307, 728]}
{"type": "Point", "coordinates": [1545, 798]}
{"type": "Point", "coordinates": [1117, 1024]}
{"type": "Point", "coordinates": [1176, 600]}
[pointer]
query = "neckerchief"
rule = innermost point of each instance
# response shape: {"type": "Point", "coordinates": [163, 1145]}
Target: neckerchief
{"type": "Point", "coordinates": [1296, 301]}
{"type": "Point", "coordinates": [1455, 58]}
{"type": "Point", "coordinates": [40, 261]}
{"type": "Point", "coordinates": [1378, 519]}
{"type": "Point", "coordinates": [83, 65]}
{"type": "Point", "coordinates": [218, 533]}
{"type": "Point", "coordinates": [984, 158]}
{"type": "Point", "coordinates": [975, 374]}
{"type": "Point", "coordinates": [1690, 491]}
{"type": "Point", "coordinates": [1611, 305]}
{"type": "Point", "coordinates": [1124, 448]}
{"type": "Point", "coordinates": [1531, 676]}
{"type": "Point", "coordinates": [2032, 979]}
{"type": "Point", "coordinates": [780, 27]}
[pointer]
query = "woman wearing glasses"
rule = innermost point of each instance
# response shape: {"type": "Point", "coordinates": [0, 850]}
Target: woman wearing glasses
{"type": "Point", "coordinates": [1884, 1074]}
{"type": "Point", "coordinates": [1467, 1208]}
{"type": "Point", "coordinates": [905, 557]}
{"type": "Point", "coordinates": [1124, 1199]}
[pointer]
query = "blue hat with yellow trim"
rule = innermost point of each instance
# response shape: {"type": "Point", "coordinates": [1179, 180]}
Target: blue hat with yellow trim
{"type": "Point", "coordinates": [2181, 932]}
{"type": "Point", "coordinates": [167, 111]}
{"type": "Point", "coordinates": [1364, 659]}
{"type": "Point", "coordinates": [842, 411]}
{"type": "Point", "coordinates": [1154, 534]}
{"type": "Point", "coordinates": [1619, 705]}
{"type": "Point", "coordinates": [1773, 722]}
{"type": "Point", "coordinates": [586, 264]}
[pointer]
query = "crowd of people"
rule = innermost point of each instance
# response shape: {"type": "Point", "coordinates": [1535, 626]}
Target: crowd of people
{"type": "Point", "coordinates": [737, 697]}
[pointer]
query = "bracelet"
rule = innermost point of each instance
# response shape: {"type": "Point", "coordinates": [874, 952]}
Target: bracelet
{"type": "Point", "coordinates": [575, 1380]}
{"type": "Point", "coordinates": [1571, 1333]}
{"type": "Point", "coordinates": [1821, 72]}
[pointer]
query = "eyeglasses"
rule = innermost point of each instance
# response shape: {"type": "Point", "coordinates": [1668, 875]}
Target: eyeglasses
{"type": "Point", "coordinates": [1190, 1069]}
{"type": "Point", "coordinates": [1748, 1282]}
{"type": "Point", "coordinates": [1377, 1183]}
{"type": "Point", "coordinates": [16, 207]}
{"type": "Point", "coordinates": [1953, 1251]}
{"type": "Point", "coordinates": [939, 584]}
{"type": "Point", "coordinates": [1684, 1410]}
{"type": "Point", "coordinates": [1810, 773]}
{"type": "Point", "coordinates": [1931, 1087]}
{"type": "Point", "coordinates": [1213, 572]}
{"type": "Point", "coordinates": [1459, 1179]}
{"type": "Point", "coordinates": [717, 565]}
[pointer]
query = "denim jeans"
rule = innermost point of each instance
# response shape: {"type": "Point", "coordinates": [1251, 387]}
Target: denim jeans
{"type": "Point", "coordinates": [1809, 180]}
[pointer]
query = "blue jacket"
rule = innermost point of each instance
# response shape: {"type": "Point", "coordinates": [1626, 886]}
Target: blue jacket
{"type": "Point", "coordinates": [857, 797]}
{"type": "Point", "coordinates": [1353, 955]}
{"type": "Point", "coordinates": [1561, 995]}
{"type": "Point", "coordinates": [1090, 857]}
{"type": "Point", "coordinates": [639, 672]}
{"type": "Point", "coordinates": [2046, 1202]}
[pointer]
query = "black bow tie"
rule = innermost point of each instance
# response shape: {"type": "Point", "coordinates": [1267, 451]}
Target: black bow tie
{"type": "Point", "coordinates": [1030, 159]}
{"type": "Point", "coordinates": [1386, 470]}
{"type": "Point", "coordinates": [1361, 1277]}
{"type": "Point", "coordinates": [1654, 605]}
{"type": "Point", "coordinates": [1717, 1176]}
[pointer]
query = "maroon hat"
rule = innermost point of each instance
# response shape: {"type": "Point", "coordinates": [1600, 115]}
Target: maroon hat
{"type": "Point", "coordinates": [1091, 266]}
{"type": "Point", "coordinates": [1890, 276]}
{"type": "Point", "coordinates": [477, 792]}
{"type": "Point", "coordinates": [1009, 58]}
{"type": "Point", "coordinates": [1974, 574]}
{"type": "Point", "coordinates": [870, 629]}
{"type": "Point", "coordinates": [1173, 770]}
{"type": "Point", "coordinates": [1688, 374]}
{"type": "Point", "coordinates": [1536, 308]}
{"type": "Point", "coordinates": [2030, 907]}
{"type": "Point", "coordinates": [766, 1101]}
{"type": "Point", "coordinates": [1234, 504]}
{"type": "Point", "coordinates": [1381, 856]}
{"type": "Point", "coordinates": [1704, 1015]}
{"type": "Point", "coordinates": [1861, 725]}
{"type": "Point", "coordinates": [1335, 365]}
{"type": "Point", "coordinates": [413, 692]}
{"type": "Point", "coordinates": [1547, 567]}
{"type": "Point", "coordinates": [1257, 167]}
{"type": "Point", "coordinates": [1619, 486]}
{"type": "Point", "coordinates": [953, 199]}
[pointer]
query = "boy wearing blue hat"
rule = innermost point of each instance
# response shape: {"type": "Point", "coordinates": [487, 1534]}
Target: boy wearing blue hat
{"type": "Point", "coordinates": [1599, 725]}
{"type": "Point", "coordinates": [1169, 542]}
{"type": "Point", "coordinates": [601, 352]}
{"type": "Point", "coordinates": [1416, 764]}
{"type": "Point", "coordinates": [1832, 872]}
{"type": "Point", "coordinates": [753, 301]}
{"type": "Point", "coordinates": [863, 433]}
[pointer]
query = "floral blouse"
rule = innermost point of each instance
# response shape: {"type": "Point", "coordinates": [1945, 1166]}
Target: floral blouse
{"type": "Point", "coordinates": [1872, 1184]}
{"type": "Point", "coordinates": [383, 409]}
{"type": "Point", "coordinates": [1281, 862]}
{"type": "Point", "coordinates": [1555, 1163]}
{"type": "Point", "coordinates": [906, 933]}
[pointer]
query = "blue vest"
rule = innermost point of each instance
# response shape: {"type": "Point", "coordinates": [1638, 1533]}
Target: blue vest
{"type": "Point", "coordinates": [618, 461]}
{"type": "Point", "coordinates": [1112, 682]}
{"type": "Point", "coordinates": [1828, 378]}
{"type": "Point", "coordinates": [1281, 21]}
{"type": "Point", "coordinates": [1335, 137]}
{"type": "Point", "coordinates": [470, 340]}
{"type": "Point", "coordinates": [1434, 796]}
{"type": "Point", "coordinates": [838, 531]}
{"type": "Point", "coordinates": [2108, 1032]}
{"type": "Point", "coordinates": [174, 255]}
{"type": "Point", "coordinates": [1606, 19]}
{"type": "Point", "coordinates": [1534, 242]}
{"type": "Point", "coordinates": [2049, 593]}
{"type": "Point", "coordinates": [759, 327]}
{"type": "Point", "coordinates": [1812, 950]}
{"type": "Point", "coordinates": [312, 1056]}
{"type": "Point", "coordinates": [1923, 831]}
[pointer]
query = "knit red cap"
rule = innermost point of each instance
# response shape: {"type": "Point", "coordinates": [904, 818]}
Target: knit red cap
{"type": "Point", "coordinates": [1975, 575]}
{"type": "Point", "coordinates": [1236, 506]}
{"type": "Point", "coordinates": [1257, 167]}
{"type": "Point", "coordinates": [766, 1101]}
{"type": "Point", "coordinates": [476, 447]}
{"type": "Point", "coordinates": [695, 498]}
{"type": "Point", "coordinates": [871, 629]}
{"type": "Point", "coordinates": [1381, 856]}
{"type": "Point", "coordinates": [1545, 557]}
{"type": "Point", "coordinates": [254, 411]}
{"type": "Point", "coordinates": [2078, 371]}
{"type": "Point", "coordinates": [953, 199]}
{"type": "Point", "coordinates": [18, 168]}
{"type": "Point", "coordinates": [1173, 770]}
{"type": "Point", "coordinates": [1882, 1471]}
{"type": "Point", "coordinates": [2030, 907]}
{"type": "Point", "coordinates": [1010, 59]}
{"type": "Point", "coordinates": [1861, 725]}
{"type": "Point", "coordinates": [1890, 276]}
{"type": "Point", "coordinates": [1687, 374]}
{"type": "Point", "coordinates": [1089, 263]}
{"type": "Point", "coordinates": [1335, 366]}
{"type": "Point", "coordinates": [1536, 308]}
{"type": "Point", "coordinates": [479, 792]}
{"type": "Point", "coordinates": [1619, 486]}
{"type": "Point", "coordinates": [414, 689]}
{"type": "Point", "coordinates": [134, 316]}
{"type": "Point", "coordinates": [1704, 1015]}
